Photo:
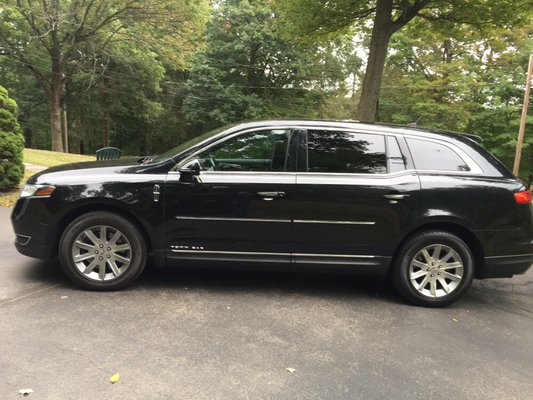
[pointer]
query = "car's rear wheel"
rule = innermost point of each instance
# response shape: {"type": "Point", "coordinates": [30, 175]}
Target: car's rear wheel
{"type": "Point", "coordinates": [433, 269]}
{"type": "Point", "coordinates": [102, 251]}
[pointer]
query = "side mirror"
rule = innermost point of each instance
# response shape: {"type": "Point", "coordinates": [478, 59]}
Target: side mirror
{"type": "Point", "coordinates": [190, 173]}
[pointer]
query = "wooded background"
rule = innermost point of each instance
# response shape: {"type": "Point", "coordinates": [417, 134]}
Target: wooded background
{"type": "Point", "coordinates": [146, 75]}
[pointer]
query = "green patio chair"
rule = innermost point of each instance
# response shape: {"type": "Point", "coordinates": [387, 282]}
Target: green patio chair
{"type": "Point", "coordinates": [108, 153]}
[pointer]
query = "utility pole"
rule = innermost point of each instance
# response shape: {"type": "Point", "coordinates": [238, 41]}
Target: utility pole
{"type": "Point", "coordinates": [522, 128]}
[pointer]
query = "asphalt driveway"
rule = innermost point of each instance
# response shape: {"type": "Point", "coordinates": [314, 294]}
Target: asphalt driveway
{"type": "Point", "coordinates": [190, 334]}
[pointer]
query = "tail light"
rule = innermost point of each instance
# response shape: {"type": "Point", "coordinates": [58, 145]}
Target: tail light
{"type": "Point", "coordinates": [523, 197]}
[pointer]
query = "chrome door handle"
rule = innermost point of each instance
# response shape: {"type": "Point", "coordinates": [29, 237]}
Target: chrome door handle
{"type": "Point", "coordinates": [157, 192]}
{"type": "Point", "coordinates": [396, 196]}
{"type": "Point", "coordinates": [270, 195]}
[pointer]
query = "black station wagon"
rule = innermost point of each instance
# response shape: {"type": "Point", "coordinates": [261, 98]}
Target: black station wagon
{"type": "Point", "coordinates": [432, 210]}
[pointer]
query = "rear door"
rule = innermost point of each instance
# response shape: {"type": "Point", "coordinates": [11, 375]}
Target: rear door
{"type": "Point", "coordinates": [355, 197]}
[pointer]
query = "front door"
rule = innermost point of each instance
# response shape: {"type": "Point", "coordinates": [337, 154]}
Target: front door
{"type": "Point", "coordinates": [354, 200]}
{"type": "Point", "coordinates": [239, 209]}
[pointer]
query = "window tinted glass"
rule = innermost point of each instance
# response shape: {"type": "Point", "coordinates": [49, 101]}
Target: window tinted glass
{"type": "Point", "coordinates": [435, 156]}
{"type": "Point", "coordinates": [346, 152]}
{"type": "Point", "coordinates": [251, 151]}
{"type": "Point", "coordinates": [395, 158]}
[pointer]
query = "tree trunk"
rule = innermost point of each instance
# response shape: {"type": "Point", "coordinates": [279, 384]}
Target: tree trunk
{"type": "Point", "coordinates": [105, 129]}
{"type": "Point", "coordinates": [106, 120]}
{"type": "Point", "coordinates": [250, 70]}
{"type": "Point", "coordinates": [54, 98]}
{"type": "Point", "coordinates": [379, 44]}
{"type": "Point", "coordinates": [34, 139]}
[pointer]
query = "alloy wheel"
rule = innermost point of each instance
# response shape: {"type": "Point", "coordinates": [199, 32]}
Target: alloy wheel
{"type": "Point", "coordinates": [101, 253]}
{"type": "Point", "coordinates": [436, 271]}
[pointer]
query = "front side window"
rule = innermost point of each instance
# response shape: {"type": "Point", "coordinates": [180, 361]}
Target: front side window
{"type": "Point", "coordinates": [262, 151]}
{"type": "Point", "coordinates": [435, 156]}
{"type": "Point", "coordinates": [346, 152]}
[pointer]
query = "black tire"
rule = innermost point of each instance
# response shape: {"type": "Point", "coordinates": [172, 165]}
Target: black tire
{"type": "Point", "coordinates": [120, 256]}
{"type": "Point", "coordinates": [434, 288]}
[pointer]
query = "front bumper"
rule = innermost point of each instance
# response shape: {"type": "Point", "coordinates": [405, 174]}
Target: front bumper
{"type": "Point", "coordinates": [34, 236]}
{"type": "Point", "coordinates": [35, 250]}
{"type": "Point", "coordinates": [506, 266]}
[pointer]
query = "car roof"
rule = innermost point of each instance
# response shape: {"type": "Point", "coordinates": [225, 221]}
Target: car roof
{"type": "Point", "coordinates": [369, 127]}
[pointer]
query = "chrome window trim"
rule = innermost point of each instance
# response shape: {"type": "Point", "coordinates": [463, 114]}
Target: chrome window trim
{"type": "Point", "coordinates": [475, 169]}
{"type": "Point", "coordinates": [239, 172]}
{"type": "Point", "coordinates": [391, 175]}
{"type": "Point", "coordinates": [347, 174]}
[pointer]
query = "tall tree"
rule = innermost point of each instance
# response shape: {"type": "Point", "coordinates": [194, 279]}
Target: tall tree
{"type": "Point", "coordinates": [56, 39]}
{"type": "Point", "coordinates": [326, 17]}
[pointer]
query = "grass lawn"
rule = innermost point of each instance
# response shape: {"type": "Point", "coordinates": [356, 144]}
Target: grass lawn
{"type": "Point", "coordinates": [44, 158]}
{"type": "Point", "coordinates": [52, 158]}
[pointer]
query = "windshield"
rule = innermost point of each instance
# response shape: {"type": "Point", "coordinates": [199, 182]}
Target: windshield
{"type": "Point", "coordinates": [189, 143]}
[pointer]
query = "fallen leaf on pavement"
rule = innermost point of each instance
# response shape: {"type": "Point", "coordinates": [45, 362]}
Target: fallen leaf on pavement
{"type": "Point", "coordinates": [25, 392]}
{"type": "Point", "coordinates": [291, 370]}
{"type": "Point", "coordinates": [114, 378]}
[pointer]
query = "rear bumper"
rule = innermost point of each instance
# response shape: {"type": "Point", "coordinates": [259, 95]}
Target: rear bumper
{"type": "Point", "coordinates": [506, 266]}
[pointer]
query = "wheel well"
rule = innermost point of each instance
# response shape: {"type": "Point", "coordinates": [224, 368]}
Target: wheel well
{"type": "Point", "coordinates": [75, 213]}
{"type": "Point", "coordinates": [469, 238]}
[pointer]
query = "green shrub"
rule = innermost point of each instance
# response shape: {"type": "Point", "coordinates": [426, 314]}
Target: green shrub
{"type": "Point", "coordinates": [11, 143]}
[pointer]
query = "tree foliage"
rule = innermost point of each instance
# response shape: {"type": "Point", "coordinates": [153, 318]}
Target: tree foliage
{"type": "Point", "coordinates": [11, 143]}
{"type": "Point", "coordinates": [461, 80]}
{"type": "Point", "coordinates": [149, 78]}
{"type": "Point", "coordinates": [248, 70]}
{"type": "Point", "coordinates": [327, 18]}
{"type": "Point", "coordinates": [55, 39]}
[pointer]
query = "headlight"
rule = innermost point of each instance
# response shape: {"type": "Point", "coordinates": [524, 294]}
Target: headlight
{"type": "Point", "coordinates": [29, 190]}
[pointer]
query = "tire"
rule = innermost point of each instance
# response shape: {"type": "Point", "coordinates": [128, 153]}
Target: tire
{"type": "Point", "coordinates": [109, 264]}
{"type": "Point", "coordinates": [433, 269]}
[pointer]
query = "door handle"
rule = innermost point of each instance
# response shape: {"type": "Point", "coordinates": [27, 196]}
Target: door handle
{"type": "Point", "coordinates": [157, 192]}
{"type": "Point", "coordinates": [396, 196]}
{"type": "Point", "coordinates": [268, 196]}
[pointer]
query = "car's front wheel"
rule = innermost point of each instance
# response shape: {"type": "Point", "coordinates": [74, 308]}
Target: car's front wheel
{"type": "Point", "coordinates": [102, 251]}
{"type": "Point", "coordinates": [433, 269]}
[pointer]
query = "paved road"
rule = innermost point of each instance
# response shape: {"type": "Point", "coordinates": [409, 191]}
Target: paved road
{"type": "Point", "coordinates": [186, 334]}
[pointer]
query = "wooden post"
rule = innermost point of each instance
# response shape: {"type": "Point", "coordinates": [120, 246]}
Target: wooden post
{"type": "Point", "coordinates": [65, 128]}
{"type": "Point", "coordinates": [522, 128]}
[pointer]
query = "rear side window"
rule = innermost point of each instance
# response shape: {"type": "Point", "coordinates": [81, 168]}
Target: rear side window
{"type": "Point", "coordinates": [435, 156]}
{"type": "Point", "coordinates": [346, 152]}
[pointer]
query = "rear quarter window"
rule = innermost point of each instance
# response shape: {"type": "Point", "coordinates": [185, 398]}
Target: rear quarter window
{"type": "Point", "coordinates": [428, 155]}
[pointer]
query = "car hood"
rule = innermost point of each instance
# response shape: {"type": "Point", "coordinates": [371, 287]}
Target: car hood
{"type": "Point", "coordinates": [95, 171]}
